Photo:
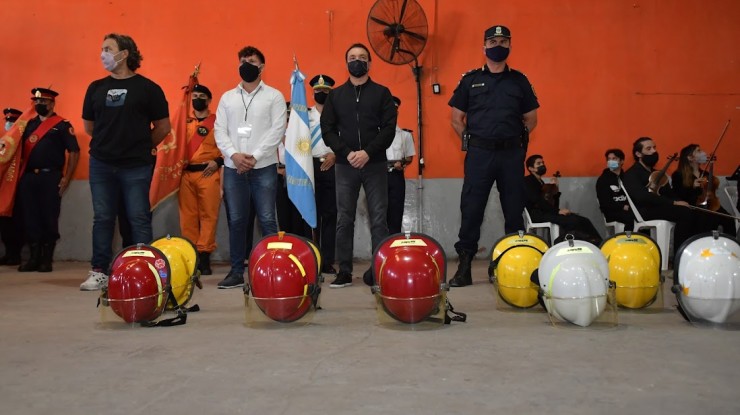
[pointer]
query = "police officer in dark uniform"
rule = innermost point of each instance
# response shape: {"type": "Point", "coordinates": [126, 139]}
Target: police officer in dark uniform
{"type": "Point", "coordinates": [323, 172]}
{"type": "Point", "coordinates": [42, 182]}
{"type": "Point", "coordinates": [10, 227]}
{"type": "Point", "coordinates": [494, 108]}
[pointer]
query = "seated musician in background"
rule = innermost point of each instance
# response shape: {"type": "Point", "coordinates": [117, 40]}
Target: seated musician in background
{"type": "Point", "coordinates": [689, 184]}
{"type": "Point", "coordinates": [542, 210]}
{"type": "Point", "coordinates": [612, 200]}
{"type": "Point", "coordinates": [658, 204]}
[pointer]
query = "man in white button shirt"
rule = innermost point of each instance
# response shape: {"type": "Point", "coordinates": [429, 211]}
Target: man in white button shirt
{"type": "Point", "coordinates": [250, 123]}
{"type": "Point", "coordinates": [399, 155]}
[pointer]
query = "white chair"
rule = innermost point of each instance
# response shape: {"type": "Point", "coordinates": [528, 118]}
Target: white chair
{"type": "Point", "coordinates": [553, 228]}
{"type": "Point", "coordinates": [732, 195]}
{"type": "Point", "coordinates": [613, 228]}
{"type": "Point", "coordinates": [660, 230]}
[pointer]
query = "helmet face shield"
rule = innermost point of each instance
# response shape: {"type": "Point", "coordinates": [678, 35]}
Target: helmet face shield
{"type": "Point", "coordinates": [284, 283]}
{"type": "Point", "coordinates": [634, 267]}
{"type": "Point", "coordinates": [410, 281]}
{"type": "Point", "coordinates": [513, 260]}
{"type": "Point", "coordinates": [574, 285]}
{"type": "Point", "coordinates": [707, 280]}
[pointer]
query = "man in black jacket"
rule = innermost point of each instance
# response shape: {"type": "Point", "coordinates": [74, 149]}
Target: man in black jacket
{"type": "Point", "coordinates": [656, 205]}
{"type": "Point", "coordinates": [359, 124]}
{"type": "Point", "coordinates": [612, 200]}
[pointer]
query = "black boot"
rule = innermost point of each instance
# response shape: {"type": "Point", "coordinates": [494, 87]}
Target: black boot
{"type": "Point", "coordinates": [34, 260]}
{"type": "Point", "coordinates": [204, 263]}
{"type": "Point", "coordinates": [10, 257]}
{"type": "Point", "coordinates": [47, 255]}
{"type": "Point", "coordinates": [462, 276]}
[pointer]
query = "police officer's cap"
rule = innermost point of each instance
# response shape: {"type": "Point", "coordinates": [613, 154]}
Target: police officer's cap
{"type": "Point", "coordinates": [497, 30]}
{"type": "Point", "coordinates": [397, 101]}
{"type": "Point", "coordinates": [43, 93]}
{"type": "Point", "coordinates": [11, 114]}
{"type": "Point", "coordinates": [321, 82]}
{"type": "Point", "coordinates": [204, 89]}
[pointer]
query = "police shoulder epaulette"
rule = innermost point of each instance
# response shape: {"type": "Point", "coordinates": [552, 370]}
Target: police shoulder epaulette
{"type": "Point", "coordinates": [472, 71]}
{"type": "Point", "coordinates": [407, 130]}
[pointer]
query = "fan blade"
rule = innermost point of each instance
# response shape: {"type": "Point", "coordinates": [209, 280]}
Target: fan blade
{"type": "Point", "coordinates": [394, 48]}
{"type": "Point", "coordinates": [376, 20]}
{"type": "Point", "coordinates": [403, 11]}
{"type": "Point", "coordinates": [415, 35]}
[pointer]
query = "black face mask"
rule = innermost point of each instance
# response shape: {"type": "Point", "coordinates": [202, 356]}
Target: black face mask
{"type": "Point", "coordinates": [541, 170]}
{"type": "Point", "coordinates": [358, 68]}
{"type": "Point", "coordinates": [650, 160]}
{"type": "Point", "coordinates": [199, 104]}
{"type": "Point", "coordinates": [249, 72]}
{"type": "Point", "coordinates": [41, 109]}
{"type": "Point", "coordinates": [320, 97]}
{"type": "Point", "coordinates": [497, 53]}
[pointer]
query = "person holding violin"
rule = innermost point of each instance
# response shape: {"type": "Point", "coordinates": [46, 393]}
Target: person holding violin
{"type": "Point", "coordinates": [612, 200]}
{"type": "Point", "coordinates": [643, 185]}
{"type": "Point", "coordinates": [542, 202]}
{"type": "Point", "coordinates": [693, 186]}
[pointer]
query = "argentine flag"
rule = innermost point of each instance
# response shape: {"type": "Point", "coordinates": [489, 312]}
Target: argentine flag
{"type": "Point", "coordinates": [298, 159]}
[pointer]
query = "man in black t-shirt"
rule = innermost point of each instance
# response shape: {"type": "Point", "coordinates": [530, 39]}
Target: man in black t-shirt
{"type": "Point", "coordinates": [126, 115]}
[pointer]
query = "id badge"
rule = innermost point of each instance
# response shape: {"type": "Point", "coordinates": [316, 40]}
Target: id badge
{"type": "Point", "coordinates": [244, 132]}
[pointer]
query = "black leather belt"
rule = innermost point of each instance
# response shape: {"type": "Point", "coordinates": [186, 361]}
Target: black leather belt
{"type": "Point", "coordinates": [496, 143]}
{"type": "Point", "coordinates": [39, 171]}
{"type": "Point", "coordinates": [196, 167]}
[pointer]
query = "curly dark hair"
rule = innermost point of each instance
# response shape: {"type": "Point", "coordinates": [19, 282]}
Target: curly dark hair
{"type": "Point", "coordinates": [637, 146]}
{"type": "Point", "coordinates": [248, 51]}
{"type": "Point", "coordinates": [125, 42]}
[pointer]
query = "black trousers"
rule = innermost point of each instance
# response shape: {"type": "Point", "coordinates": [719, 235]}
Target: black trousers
{"type": "Point", "coordinates": [38, 195]}
{"type": "Point", "coordinates": [569, 223]}
{"type": "Point", "coordinates": [396, 200]}
{"type": "Point", "coordinates": [326, 211]}
{"type": "Point", "coordinates": [622, 217]}
{"type": "Point", "coordinates": [683, 217]}
{"type": "Point", "coordinates": [11, 231]}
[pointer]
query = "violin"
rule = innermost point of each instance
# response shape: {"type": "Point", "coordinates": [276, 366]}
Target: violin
{"type": "Point", "coordinates": [551, 192]}
{"type": "Point", "coordinates": [708, 198]}
{"type": "Point", "coordinates": [658, 178]}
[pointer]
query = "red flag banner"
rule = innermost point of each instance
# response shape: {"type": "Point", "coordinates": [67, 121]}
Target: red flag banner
{"type": "Point", "coordinates": [10, 162]}
{"type": "Point", "coordinates": [172, 151]}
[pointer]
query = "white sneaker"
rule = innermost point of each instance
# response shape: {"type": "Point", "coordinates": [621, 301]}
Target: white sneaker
{"type": "Point", "coordinates": [95, 281]}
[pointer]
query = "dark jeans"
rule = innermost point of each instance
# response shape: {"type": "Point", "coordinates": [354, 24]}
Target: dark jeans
{"type": "Point", "coordinates": [483, 168]}
{"type": "Point", "coordinates": [242, 191]}
{"type": "Point", "coordinates": [396, 199]}
{"type": "Point", "coordinates": [373, 178]}
{"type": "Point", "coordinates": [107, 184]}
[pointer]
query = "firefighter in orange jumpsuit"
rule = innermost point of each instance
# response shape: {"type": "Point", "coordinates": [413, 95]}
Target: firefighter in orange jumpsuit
{"type": "Point", "coordinates": [200, 188]}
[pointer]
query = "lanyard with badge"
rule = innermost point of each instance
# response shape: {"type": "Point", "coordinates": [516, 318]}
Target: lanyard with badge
{"type": "Point", "coordinates": [244, 131]}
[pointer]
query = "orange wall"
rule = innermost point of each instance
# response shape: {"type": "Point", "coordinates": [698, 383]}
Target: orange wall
{"type": "Point", "coordinates": [606, 71]}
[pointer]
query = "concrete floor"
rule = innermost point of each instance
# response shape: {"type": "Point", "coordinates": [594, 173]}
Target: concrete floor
{"type": "Point", "coordinates": [56, 357]}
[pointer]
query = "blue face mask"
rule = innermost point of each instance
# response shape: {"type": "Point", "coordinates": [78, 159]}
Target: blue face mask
{"type": "Point", "coordinates": [701, 158]}
{"type": "Point", "coordinates": [8, 125]}
{"type": "Point", "coordinates": [612, 164]}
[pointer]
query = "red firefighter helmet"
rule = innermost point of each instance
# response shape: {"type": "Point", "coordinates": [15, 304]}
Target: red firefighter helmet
{"type": "Point", "coordinates": [410, 275]}
{"type": "Point", "coordinates": [138, 285]}
{"type": "Point", "coordinates": [284, 276]}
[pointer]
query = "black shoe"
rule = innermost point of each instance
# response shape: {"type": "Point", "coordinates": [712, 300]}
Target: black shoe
{"type": "Point", "coordinates": [10, 259]}
{"type": "Point", "coordinates": [33, 261]}
{"type": "Point", "coordinates": [368, 277]}
{"type": "Point", "coordinates": [328, 269]}
{"type": "Point", "coordinates": [463, 275]}
{"type": "Point", "coordinates": [204, 263]}
{"type": "Point", "coordinates": [232, 280]}
{"type": "Point", "coordinates": [344, 279]}
{"type": "Point", "coordinates": [47, 256]}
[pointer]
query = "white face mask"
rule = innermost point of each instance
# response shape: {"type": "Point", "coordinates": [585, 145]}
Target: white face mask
{"type": "Point", "coordinates": [8, 125]}
{"type": "Point", "coordinates": [109, 60]}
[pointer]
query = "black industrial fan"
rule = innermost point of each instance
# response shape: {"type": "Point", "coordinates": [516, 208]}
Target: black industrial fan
{"type": "Point", "coordinates": [397, 31]}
